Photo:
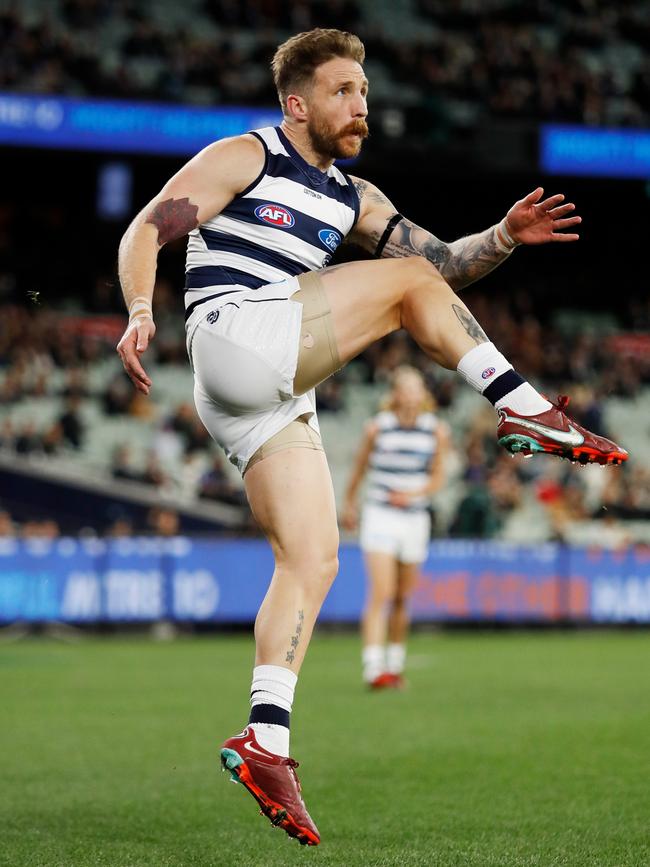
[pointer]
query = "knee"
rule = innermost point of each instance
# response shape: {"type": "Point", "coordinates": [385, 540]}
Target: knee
{"type": "Point", "coordinates": [321, 574]}
{"type": "Point", "coordinates": [422, 272]}
{"type": "Point", "coordinates": [422, 278]}
{"type": "Point", "coordinates": [326, 566]}
{"type": "Point", "coordinates": [315, 572]}
{"type": "Point", "coordinates": [379, 597]}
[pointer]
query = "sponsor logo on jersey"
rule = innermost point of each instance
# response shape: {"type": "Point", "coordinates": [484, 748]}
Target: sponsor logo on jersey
{"type": "Point", "coordinates": [275, 215]}
{"type": "Point", "coordinates": [329, 238]}
{"type": "Point", "coordinates": [487, 373]}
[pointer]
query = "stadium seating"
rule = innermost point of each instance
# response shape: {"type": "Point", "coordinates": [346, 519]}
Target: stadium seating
{"type": "Point", "coordinates": [536, 61]}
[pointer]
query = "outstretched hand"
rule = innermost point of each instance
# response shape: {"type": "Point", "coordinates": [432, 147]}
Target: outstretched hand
{"type": "Point", "coordinates": [133, 343]}
{"type": "Point", "coordinates": [532, 221]}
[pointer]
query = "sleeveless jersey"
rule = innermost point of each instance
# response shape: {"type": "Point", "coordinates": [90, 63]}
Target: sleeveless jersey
{"type": "Point", "coordinates": [401, 459]}
{"type": "Point", "coordinates": [288, 221]}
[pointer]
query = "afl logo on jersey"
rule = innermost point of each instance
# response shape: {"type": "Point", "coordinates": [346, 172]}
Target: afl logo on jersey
{"type": "Point", "coordinates": [487, 373]}
{"type": "Point", "coordinates": [275, 215]}
{"type": "Point", "coordinates": [329, 238]}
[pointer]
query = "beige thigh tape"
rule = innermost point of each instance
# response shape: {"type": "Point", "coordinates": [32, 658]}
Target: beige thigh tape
{"type": "Point", "coordinates": [297, 434]}
{"type": "Point", "coordinates": [318, 356]}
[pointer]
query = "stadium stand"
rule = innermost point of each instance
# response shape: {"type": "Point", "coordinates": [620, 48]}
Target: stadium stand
{"type": "Point", "coordinates": [461, 61]}
{"type": "Point", "coordinates": [66, 407]}
{"type": "Point", "coordinates": [76, 410]}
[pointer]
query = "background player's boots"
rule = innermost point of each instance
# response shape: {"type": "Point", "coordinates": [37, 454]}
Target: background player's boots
{"type": "Point", "coordinates": [273, 782]}
{"type": "Point", "coordinates": [555, 433]}
{"type": "Point", "coordinates": [382, 681]}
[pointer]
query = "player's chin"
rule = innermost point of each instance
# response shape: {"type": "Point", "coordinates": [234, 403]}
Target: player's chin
{"type": "Point", "coordinates": [350, 146]}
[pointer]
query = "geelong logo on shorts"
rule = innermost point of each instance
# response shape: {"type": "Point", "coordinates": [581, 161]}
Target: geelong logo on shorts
{"type": "Point", "coordinates": [275, 215]}
{"type": "Point", "coordinates": [329, 238]}
{"type": "Point", "coordinates": [487, 373]}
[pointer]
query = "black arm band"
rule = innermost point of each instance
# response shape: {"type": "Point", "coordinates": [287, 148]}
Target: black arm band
{"type": "Point", "coordinates": [394, 220]}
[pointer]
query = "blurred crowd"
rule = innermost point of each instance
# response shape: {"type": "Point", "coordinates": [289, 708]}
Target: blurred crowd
{"type": "Point", "coordinates": [550, 351]}
{"type": "Point", "coordinates": [158, 521]}
{"type": "Point", "coordinates": [563, 496]}
{"type": "Point", "coordinates": [66, 361]}
{"type": "Point", "coordinates": [578, 61]}
{"type": "Point", "coordinates": [454, 62]}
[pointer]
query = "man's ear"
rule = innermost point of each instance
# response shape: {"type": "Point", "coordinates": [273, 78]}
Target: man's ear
{"type": "Point", "coordinates": [296, 107]}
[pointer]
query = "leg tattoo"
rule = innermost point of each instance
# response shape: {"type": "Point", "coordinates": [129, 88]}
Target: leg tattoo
{"type": "Point", "coordinates": [470, 325]}
{"type": "Point", "coordinates": [291, 654]}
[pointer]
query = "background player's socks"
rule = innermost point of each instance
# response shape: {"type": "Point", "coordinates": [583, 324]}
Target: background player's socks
{"type": "Point", "coordinates": [395, 658]}
{"type": "Point", "coordinates": [373, 658]}
{"type": "Point", "coordinates": [271, 702]}
{"type": "Point", "coordinates": [490, 373]}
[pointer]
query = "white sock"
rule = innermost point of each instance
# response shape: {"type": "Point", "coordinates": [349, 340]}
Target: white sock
{"type": "Point", "coordinates": [273, 738]}
{"type": "Point", "coordinates": [484, 364]}
{"type": "Point", "coordinates": [374, 661]}
{"type": "Point", "coordinates": [273, 685]}
{"type": "Point", "coordinates": [395, 658]}
{"type": "Point", "coordinates": [524, 400]}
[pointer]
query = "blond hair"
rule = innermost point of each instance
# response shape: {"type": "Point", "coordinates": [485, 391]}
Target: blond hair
{"type": "Point", "coordinates": [295, 60]}
{"type": "Point", "coordinates": [405, 371]}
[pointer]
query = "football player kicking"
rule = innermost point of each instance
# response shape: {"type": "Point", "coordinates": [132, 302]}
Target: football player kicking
{"type": "Point", "coordinates": [266, 322]}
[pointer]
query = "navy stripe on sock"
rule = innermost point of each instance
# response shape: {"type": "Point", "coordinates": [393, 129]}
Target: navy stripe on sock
{"type": "Point", "coordinates": [503, 385]}
{"type": "Point", "coordinates": [270, 713]}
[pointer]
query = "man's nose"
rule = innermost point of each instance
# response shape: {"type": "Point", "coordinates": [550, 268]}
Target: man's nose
{"type": "Point", "coordinates": [360, 107]}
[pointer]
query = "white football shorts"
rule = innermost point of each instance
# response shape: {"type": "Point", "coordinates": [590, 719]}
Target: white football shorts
{"type": "Point", "coordinates": [388, 530]}
{"type": "Point", "coordinates": [244, 355]}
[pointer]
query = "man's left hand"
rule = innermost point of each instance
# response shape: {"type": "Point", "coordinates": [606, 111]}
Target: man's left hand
{"type": "Point", "coordinates": [533, 221]}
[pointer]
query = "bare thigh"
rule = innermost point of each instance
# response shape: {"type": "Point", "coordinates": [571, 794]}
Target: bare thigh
{"type": "Point", "coordinates": [364, 301]}
{"type": "Point", "coordinates": [291, 496]}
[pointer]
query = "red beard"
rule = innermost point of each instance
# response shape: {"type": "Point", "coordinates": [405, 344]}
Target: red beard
{"type": "Point", "coordinates": [331, 143]}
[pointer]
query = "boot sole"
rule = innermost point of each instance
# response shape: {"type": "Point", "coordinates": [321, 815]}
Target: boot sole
{"type": "Point", "coordinates": [527, 446]}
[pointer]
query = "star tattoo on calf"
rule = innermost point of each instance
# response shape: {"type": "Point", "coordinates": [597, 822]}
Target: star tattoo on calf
{"type": "Point", "coordinates": [291, 654]}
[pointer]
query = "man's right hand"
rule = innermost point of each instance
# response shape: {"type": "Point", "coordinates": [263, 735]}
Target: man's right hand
{"type": "Point", "coordinates": [133, 343]}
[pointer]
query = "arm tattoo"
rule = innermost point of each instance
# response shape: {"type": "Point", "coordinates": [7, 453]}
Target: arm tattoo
{"type": "Point", "coordinates": [360, 186]}
{"type": "Point", "coordinates": [173, 218]}
{"type": "Point", "coordinates": [371, 194]}
{"type": "Point", "coordinates": [470, 324]}
{"type": "Point", "coordinates": [295, 640]}
{"type": "Point", "coordinates": [460, 263]}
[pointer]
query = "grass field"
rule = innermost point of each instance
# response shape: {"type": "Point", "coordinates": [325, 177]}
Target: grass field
{"type": "Point", "coordinates": [506, 749]}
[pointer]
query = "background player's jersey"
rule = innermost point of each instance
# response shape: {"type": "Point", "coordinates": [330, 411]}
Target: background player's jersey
{"type": "Point", "coordinates": [288, 221]}
{"type": "Point", "coordinates": [401, 458]}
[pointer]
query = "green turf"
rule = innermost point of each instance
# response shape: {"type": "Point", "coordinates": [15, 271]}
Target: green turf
{"type": "Point", "coordinates": [507, 749]}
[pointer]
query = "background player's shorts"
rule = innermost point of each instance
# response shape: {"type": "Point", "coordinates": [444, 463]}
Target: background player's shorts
{"type": "Point", "coordinates": [403, 534]}
{"type": "Point", "coordinates": [244, 355]}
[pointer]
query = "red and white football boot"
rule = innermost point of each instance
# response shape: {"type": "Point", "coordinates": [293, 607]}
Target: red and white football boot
{"type": "Point", "coordinates": [382, 681]}
{"type": "Point", "coordinates": [555, 433]}
{"type": "Point", "coordinates": [273, 782]}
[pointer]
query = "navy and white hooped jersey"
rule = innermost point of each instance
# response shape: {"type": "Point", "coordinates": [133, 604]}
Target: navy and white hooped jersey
{"type": "Point", "coordinates": [288, 221]}
{"type": "Point", "coordinates": [401, 458]}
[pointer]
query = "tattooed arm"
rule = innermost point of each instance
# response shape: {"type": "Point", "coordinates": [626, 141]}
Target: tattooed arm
{"type": "Point", "coordinates": [461, 262]}
{"type": "Point", "coordinates": [201, 189]}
